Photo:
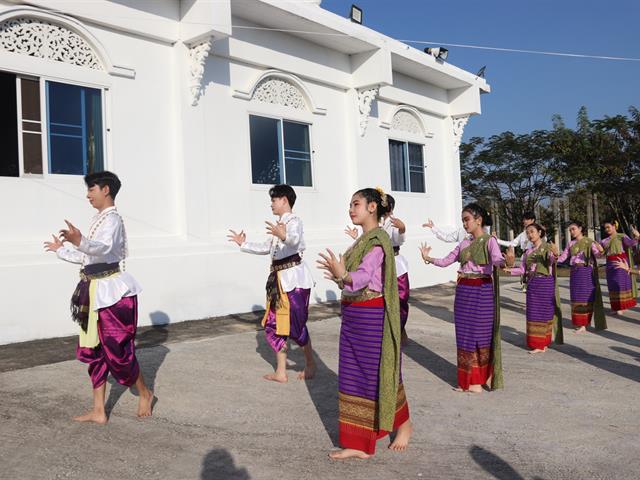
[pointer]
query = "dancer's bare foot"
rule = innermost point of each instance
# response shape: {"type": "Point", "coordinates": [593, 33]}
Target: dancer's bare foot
{"type": "Point", "coordinates": [475, 388]}
{"type": "Point", "coordinates": [458, 389]}
{"type": "Point", "coordinates": [308, 373]}
{"type": "Point", "coordinates": [92, 416]}
{"type": "Point", "coordinates": [580, 330]}
{"type": "Point", "coordinates": [620, 312]}
{"type": "Point", "coordinates": [276, 377]}
{"type": "Point", "coordinates": [145, 404]}
{"type": "Point", "coordinates": [537, 350]}
{"type": "Point", "coordinates": [348, 453]}
{"type": "Point", "coordinates": [402, 437]}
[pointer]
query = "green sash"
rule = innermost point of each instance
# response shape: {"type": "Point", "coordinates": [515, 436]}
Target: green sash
{"type": "Point", "coordinates": [476, 251]}
{"type": "Point", "coordinates": [390, 354]}
{"type": "Point", "coordinates": [497, 380]}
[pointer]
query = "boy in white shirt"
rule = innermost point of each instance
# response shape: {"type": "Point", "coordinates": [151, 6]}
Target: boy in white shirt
{"type": "Point", "coordinates": [288, 285]}
{"type": "Point", "coordinates": [105, 302]}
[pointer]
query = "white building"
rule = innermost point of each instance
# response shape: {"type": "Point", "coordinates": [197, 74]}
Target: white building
{"type": "Point", "coordinates": [199, 106]}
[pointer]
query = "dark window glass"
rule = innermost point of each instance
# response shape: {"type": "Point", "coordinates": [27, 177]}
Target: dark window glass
{"type": "Point", "coordinates": [75, 129]}
{"type": "Point", "coordinates": [416, 168]}
{"type": "Point", "coordinates": [297, 154]}
{"type": "Point", "coordinates": [398, 166]}
{"type": "Point", "coordinates": [9, 160]}
{"type": "Point", "coordinates": [31, 126]}
{"type": "Point", "coordinates": [265, 150]}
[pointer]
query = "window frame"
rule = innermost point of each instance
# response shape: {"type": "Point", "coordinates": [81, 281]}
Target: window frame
{"type": "Point", "coordinates": [42, 79]}
{"type": "Point", "coordinates": [282, 117]}
{"type": "Point", "coordinates": [423, 147]}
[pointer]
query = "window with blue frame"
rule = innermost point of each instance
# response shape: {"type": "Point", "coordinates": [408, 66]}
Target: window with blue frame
{"type": "Point", "coordinates": [74, 126]}
{"type": "Point", "coordinates": [280, 152]}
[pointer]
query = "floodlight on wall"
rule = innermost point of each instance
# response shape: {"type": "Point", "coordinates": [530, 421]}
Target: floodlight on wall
{"type": "Point", "coordinates": [356, 14]}
{"type": "Point", "coordinates": [439, 52]}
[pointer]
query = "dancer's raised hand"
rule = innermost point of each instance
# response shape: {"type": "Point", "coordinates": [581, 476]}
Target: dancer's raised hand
{"type": "Point", "coordinates": [352, 232]}
{"type": "Point", "coordinates": [277, 229]}
{"type": "Point", "coordinates": [510, 257]}
{"type": "Point", "coordinates": [238, 238]}
{"type": "Point", "coordinates": [53, 246]}
{"type": "Point", "coordinates": [429, 224]}
{"type": "Point", "coordinates": [332, 264]}
{"type": "Point", "coordinates": [425, 250]}
{"type": "Point", "coordinates": [71, 234]}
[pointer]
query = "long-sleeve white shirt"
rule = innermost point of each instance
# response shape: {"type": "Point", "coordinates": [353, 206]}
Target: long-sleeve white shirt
{"type": "Point", "coordinates": [453, 236]}
{"type": "Point", "coordinates": [105, 244]}
{"type": "Point", "coordinates": [290, 278]}
{"type": "Point", "coordinates": [397, 240]}
{"type": "Point", "coordinates": [521, 241]}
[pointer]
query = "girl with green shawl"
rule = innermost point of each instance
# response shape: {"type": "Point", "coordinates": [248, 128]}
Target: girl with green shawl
{"type": "Point", "coordinates": [623, 290]}
{"type": "Point", "coordinates": [372, 401]}
{"type": "Point", "coordinates": [584, 285]}
{"type": "Point", "coordinates": [476, 308]}
{"type": "Point", "coordinates": [543, 299]}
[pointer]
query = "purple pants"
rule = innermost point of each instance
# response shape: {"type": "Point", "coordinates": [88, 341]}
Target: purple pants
{"type": "Point", "coordinates": [117, 326]}
{"type": "Point", "coordinates": [403, 290]}
{"type": "Point", "coordinates": [298, 313]}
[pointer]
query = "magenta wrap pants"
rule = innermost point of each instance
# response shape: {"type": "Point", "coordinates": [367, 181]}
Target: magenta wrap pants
{"type": "Point", "coordinates": [403, 291]}
{"type": "Point", "coordinates": [298, 314]}
{"type": "Point", "coordinates": [117, 326]}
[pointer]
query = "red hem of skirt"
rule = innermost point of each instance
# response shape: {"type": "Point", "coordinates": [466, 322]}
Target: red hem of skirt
{"type": "Point", "coordinates": [623, 305]}
{"type": "Point", "coordinates": [363, 439]}
{"type": "Point", "coordinates": [581, 319]}
{"type": "Point", "coordinates": [477, 376]}
{"type": "Point", "coordinates": [538, 343]}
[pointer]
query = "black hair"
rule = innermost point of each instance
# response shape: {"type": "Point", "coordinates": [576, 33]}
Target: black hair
{"type": "Point", "coordinates": [578, 224]}
{"type": "Point", "coordinates": [103, 179]}
{"type": "Point", "coordinates": [391, 203]}
{"type": "Point", "coordinates": [529, 216]}
{"type": "Point", "coordinates": [478, 211]}
{"type": "Point", "coordinates": [612, 221]}
{"type": "Point", "coordinates": [282, 190]}
{"type": "Point", "coordinates": [541, 230]}
{"type": "Point", "coordinates": [373, 195]}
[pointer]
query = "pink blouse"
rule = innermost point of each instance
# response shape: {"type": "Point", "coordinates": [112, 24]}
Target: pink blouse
{"type": "Point", "coordinates": [579, 258]}
{"type": "Point", "coordinates": [495, 257]}
{"type": "Point", "coordinates": [369, 272]}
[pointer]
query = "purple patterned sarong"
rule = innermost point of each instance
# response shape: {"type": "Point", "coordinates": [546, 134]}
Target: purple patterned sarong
{"type": "Point", "coordinates": [403, 290]}
{"type": "Point", "coordinates": [541, 303]}
{"type": "Point", "coordinates": [582, 292]}
{"type": "Point", "coordinates": [117, 327]}
{"type": "Point", "coordinates": [298, 314]}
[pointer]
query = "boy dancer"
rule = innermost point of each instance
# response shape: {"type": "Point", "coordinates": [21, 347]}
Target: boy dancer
{"type": "Point", "coordinates": [289, 283]}
{"type": "Point", "coordinates": [105, 302]}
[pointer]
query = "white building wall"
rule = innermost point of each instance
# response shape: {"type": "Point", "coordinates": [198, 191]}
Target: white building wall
{"type": "Point", "coordinates": [186, 175]}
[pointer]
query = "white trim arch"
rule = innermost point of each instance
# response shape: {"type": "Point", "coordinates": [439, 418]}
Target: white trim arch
{"type": "Point", "coordinates": [287, 78]}
{"type": "Point", "coordinates": [397, 121]}
{"type": "Point", "coordinates": [91, 45]}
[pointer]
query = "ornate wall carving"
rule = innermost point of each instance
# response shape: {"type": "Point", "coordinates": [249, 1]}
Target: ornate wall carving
{"type": "Point", "coordinates": [406, 122]}
{"type": "Point", "coordinates": [458, 129]}
{"type": "Point", "coordinates": [365, 100]}
{"type": "Point", "coordinates": [198, 54]}
{"type": "Point", "coordinates": [280, 92]}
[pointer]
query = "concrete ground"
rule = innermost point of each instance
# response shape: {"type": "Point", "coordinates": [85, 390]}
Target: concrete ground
{"type": "Point", "coordinates": [572, 413]}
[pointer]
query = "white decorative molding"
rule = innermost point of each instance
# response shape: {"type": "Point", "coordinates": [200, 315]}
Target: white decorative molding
{"type": "Point", "coordinates": [365, 100]}
{"type": "Point", "coordinates": [43, 39]}
{"type": "Point", "coordinates": [198, 54]}
{"type": "Point", "coordinates": [407, 119]}
{"type": "Point", "coordinates": [279, 92]}
{"type": "Point", "coordinates": [458, 129]}
{"type": "Point", "coordinates": [280, 88]}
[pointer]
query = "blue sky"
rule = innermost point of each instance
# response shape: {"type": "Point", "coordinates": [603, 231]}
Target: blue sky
{"type": "Point", "coordinates": [526, 89]}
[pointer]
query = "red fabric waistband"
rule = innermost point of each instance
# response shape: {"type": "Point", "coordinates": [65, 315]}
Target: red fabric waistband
{"type": "Point", "coordinates": [473, 281]}
{"type": "Point", "coordinates": [617, 256]}
{"type": "Point", "coordinates": [374, 302]}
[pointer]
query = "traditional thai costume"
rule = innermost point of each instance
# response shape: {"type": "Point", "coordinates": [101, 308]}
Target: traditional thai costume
{"type": "Point", "coordinates": [372, 399]}
{"type": "Point", "coordinates": [623, 290]}
{"type": "Point", "coordinates": [402, 270]}
{"type": "Point", "coordinates": [543, 297]}
{"type": "Point", "coordinates": [105, 302]}
{"type": "Point", "coordinates": [288, 285]}
{"type": "Point", "coordinates": [477, 311]}
{"type": "Point", "coordinates": [584, 285]}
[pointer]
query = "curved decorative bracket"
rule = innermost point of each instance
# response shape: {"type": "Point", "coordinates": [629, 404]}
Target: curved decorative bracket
{"type": "Point", "coordinates": [458, 129]}
{"type": "Point", "coordinates": [198, 54]}
{"type": "Point", "coordinates": [365, 100]}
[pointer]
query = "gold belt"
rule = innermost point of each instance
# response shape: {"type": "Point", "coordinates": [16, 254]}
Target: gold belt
{"type": "Point", "coordinates": [360, 296]}
{"type": "Point", "coordinates": [98, 276]}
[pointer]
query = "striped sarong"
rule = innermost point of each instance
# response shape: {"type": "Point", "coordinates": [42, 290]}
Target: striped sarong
{"type": "Point", "coordinates": [541, 300]}
{"type": "Point", "coordinates": [619, 283]}
{"type": "Point", "coordinates": [582, 292]}
{"type": "Point", "coordinates": [358, 376]}
{"type": "Point", "coordinates": [473, 312]}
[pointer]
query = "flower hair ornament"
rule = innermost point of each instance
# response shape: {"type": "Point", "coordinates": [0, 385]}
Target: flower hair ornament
{"type": "Point", "coordinates": [382, 195]}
